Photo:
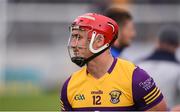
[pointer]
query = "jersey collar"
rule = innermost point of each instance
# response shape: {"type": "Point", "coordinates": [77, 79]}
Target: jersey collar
{"type": "Point", "coordinates": [113, 65]}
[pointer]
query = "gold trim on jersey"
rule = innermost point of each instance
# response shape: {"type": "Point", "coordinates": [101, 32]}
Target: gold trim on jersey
{"type": "Point", "coordinates": [154, 98]}
{"type": "Point", "coordinates": [61, 105]}
{"type": "Point", "coordinates": [152, 95]}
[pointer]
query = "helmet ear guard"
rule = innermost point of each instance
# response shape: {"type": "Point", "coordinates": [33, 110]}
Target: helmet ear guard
{"type": "Point", "coordinates": [91, 44]}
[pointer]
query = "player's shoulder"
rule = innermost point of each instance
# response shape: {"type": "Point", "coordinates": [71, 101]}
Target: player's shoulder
{"type": "Point", "coordinates": [142, 80]}
{"type": "Point", "coordinates": [78, 75]}
{"type": "Point", "coordinates": [145, 92]}
{"type": "Point", "coordinates": [125, 62]}
{"type": "Point", "coordinates": [140, 74]}
{"type": "Point", "coordinates": [126, 66]}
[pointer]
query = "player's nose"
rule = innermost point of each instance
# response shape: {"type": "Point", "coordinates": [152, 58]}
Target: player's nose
{"type": "Point", "coordinates": [73, 43]}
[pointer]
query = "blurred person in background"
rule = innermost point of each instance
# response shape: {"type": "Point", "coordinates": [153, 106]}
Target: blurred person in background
{"type": "Point", "coordinates": [127, 31]}
{"type": "Point", "coordinates": [163, 65]}
{"type": "Point", "coordinates": [106, 82]}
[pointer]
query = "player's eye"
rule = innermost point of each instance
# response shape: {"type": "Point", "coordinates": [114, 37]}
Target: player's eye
{"type": "Point", "coordinates": [76, 36]}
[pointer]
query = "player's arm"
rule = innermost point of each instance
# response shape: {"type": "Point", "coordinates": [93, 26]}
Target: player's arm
{"type": "Point", "coordinates": [146, 95]}
{"type": "Point", "coordinates": [64, 103]}
{"type": "Point", "coordinates": [159, 107]}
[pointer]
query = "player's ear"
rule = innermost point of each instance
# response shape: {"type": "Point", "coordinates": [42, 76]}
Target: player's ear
{"type": "Point", "coordinates": [99, 40]}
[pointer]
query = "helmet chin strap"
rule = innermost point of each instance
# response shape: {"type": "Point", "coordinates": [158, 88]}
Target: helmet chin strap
{"type": "Point", "coordinates": [80, 61]}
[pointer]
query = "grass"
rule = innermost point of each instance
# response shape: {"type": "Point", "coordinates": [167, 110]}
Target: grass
{"type": "Point", "coordinates": [40, 102]}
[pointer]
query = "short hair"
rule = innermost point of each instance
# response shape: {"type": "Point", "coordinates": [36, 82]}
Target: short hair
{"type": "Point", "coordinates": [119, 15]}
{"type": "Point", "coordinates": [169, 35]}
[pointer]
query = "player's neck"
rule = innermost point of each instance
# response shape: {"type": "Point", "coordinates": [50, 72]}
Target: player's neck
{"type": "Point", "coordinates": [100, 65]}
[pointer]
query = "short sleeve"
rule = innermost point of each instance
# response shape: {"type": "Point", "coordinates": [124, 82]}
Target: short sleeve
{"type": "Point", "coordinates": [64, 103]}
{"type": "Point", "coordinates": [145, 92]}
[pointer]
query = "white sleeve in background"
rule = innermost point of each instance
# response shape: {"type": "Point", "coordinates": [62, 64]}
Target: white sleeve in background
{"type": "Point", "coordinates": [178, 83]}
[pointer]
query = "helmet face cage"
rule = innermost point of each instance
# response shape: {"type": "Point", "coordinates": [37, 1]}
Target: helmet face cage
{"type": "Point", "coordinates": [78, 45]}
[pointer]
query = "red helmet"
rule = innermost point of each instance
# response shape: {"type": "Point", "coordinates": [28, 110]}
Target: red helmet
{"type": "Point", "coordinates": [96, 24]}
{"type": "Point", "coordinates": [99, 23]}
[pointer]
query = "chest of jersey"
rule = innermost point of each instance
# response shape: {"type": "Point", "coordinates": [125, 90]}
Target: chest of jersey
{"type": "Point", "coordinates": [112, 90]}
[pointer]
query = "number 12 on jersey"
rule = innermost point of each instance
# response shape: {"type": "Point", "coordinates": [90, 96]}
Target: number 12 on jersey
{"type": "Point", "coordinates": [96, 100]}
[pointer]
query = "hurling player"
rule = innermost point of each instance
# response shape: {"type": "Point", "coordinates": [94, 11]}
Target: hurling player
{"type": "Point", "coordinates": [104, 82]}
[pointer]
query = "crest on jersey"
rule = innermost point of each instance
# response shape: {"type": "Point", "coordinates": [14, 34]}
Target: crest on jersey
{"type": "Point", "coordinates": [115, 95]}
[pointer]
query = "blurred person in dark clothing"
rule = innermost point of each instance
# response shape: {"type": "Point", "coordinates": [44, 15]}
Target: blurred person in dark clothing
{"type": "Point", "coordinates": [126, 29]}
{"type": "Point", "coordinates": [163, 65]}
{"type": "Point", "coordinates": [164, 1]}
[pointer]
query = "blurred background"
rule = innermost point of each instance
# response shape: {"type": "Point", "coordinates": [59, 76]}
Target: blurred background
{"type": "Point", "coordinates": [34, 61]}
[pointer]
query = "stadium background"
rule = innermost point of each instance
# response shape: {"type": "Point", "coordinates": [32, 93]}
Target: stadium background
{"type": "Point", "coordinates": [34, 61]}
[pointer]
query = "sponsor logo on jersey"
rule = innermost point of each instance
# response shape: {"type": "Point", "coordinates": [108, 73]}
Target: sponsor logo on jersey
{"type": "Point", "coordinates": [97, 92]}
{"type": "Point", "coordinates": [79, 97]}
{"type": "Point", "coordinates": [147, 84]}
{"type": "Point", "coordinates": [115, 95]}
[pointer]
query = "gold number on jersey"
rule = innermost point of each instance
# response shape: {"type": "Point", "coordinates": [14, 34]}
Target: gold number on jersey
{"type": "Point", "coordinates": [96, 100]}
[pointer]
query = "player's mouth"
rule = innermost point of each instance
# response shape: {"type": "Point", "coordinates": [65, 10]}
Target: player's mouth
{"type": "Point", "coordinates": [76, 54]}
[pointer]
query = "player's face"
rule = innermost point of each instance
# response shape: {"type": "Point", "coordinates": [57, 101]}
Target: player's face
{"type": "Point", "coordinates": [127, 33]}
{"type": "Point", "coordinates": [78, 44]}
